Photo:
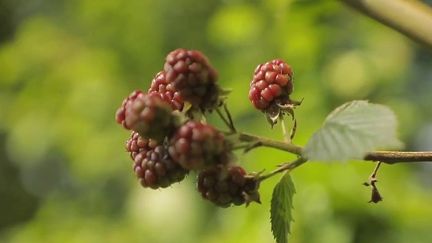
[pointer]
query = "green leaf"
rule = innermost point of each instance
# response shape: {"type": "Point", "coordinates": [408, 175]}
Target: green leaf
{"type": "Point", "coordinates": [352, 130]}
{"type": "Point", "coordinates": [281, 205]}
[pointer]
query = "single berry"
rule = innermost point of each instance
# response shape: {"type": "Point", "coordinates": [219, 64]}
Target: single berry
{"type": "Point", "coordinates": [121, 112]}
{"type": "Point", "coordinates": [196, 146]}
{"type": "Point", "coordinates": [151, 117]}
{"type": "Point", "coordinates": [191, 74]}
{"type": "Point", "coordinates": [166, 91]}
{"type": "Point", "coordinates": [152, 164]}
{"type": "Point", "coordinates": [271, 84]}
{"type": "Point", "coordinates": [226, 186]}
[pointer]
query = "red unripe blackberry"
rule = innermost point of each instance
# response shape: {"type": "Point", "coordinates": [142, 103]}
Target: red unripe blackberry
{"type": "Point", "coordinates": [226, 186]}
{"type": "Point", "coordinates": [196, 146]}
{"type": "Point", "coordinates": [166, 91]}
{"type": "Point", "coordinates": [121, 112]}
{"type": "Point", "coordinates": [272, 81]}
{"type": "Point", "coordinates": [191, 74]}
{"type": "Point", "coordinates": [152, 164]}
{"type": "Point", "coordinates": [151, 117]}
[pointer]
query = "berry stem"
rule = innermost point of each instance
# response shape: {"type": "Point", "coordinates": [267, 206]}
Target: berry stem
{"type": "Point", "coordinates": [284, 130]}
{"type": "Point", "coordinates": [387, 157]}
{"type": "Point", "coordinates": [267, 142]}
{"type": "Point", "coordinates": [228, 113]}
{"type": "Point", "coordinates": [225, 120]}
{"type": "Point", "coordinates": [284, 167]}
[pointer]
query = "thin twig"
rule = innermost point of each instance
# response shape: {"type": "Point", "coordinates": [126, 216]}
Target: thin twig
{"type": "Point", "coordinates": [284, 167]}
{"type": "Point", "coordinates": [375, 171]}
{"type": "Point", "coordinates": [266, 142]}
{"type": "Point", "coordinates": [224, 119]}
{"type": "Point", "coordinates": [375, 194]}
{"type": "Point", "coordinates": [230, 120]}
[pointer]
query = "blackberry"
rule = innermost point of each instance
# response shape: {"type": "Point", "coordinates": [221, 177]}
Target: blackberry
{"type": "Point", "coordinates": [271, 83]}
{"type": "Point", "coordinates": [227, 186]}
{"type": "Point", "coordinates": [121, 112]}
{"type": "Point", "coordinates": [151, 117]}
{"type": "Point", "coordinates": [152, 164]}
{"type": "Point", "coordinates": [196, 146]}
{"type": "Point", "coordinates": [166, 91]}
{"type": "Point", "coordinates": [191, 74]}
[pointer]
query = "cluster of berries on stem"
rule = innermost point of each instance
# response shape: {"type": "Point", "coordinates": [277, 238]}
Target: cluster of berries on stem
{"type": "Point", "coordinates": [168, 140]}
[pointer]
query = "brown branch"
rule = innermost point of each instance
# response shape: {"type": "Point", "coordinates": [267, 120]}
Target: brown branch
{"type": "Point", "coordinates": [388, 157]}
{"type": "Point", "coordinates": [393, 157]}
{"type": "Point", "coordinates": [410, 17]}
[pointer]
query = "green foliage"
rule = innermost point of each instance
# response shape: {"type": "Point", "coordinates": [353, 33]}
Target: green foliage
{"type": "Point", "coordinates": [352, 130]}
{"type": "Point", "coordinates": [281, 208]}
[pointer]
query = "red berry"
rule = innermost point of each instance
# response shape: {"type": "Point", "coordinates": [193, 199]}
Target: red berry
{"type": "Point", "coordinates": [196, 146]}
{"type": "Point", "coordinates": [152, 164]}
{"type": "Point", "coordinates": [151, 117]}
{"type": "Point", "coordinates": [191, 74]}
{"type": "Point", "coordinates": [226, 186]}
{"type": "Point", "coordinates": [166, 91]}
{"type": "Point", "coordinates": [121, 112]}
{"type": "Point", "coordinates": [272, 82]}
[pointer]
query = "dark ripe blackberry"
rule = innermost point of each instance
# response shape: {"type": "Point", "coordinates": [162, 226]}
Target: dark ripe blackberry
{"type": "Point", "coordinates": [166, 91]}
{"type": "Point", "coordinates": [156, 169]}
{"type": "Point", "coordinates": [152, 164]}
{"type": "Point", "coordinates": [191, 74]}
{"type": "Point", "coordinates": [272, 81]}
{"type": "Point", "coordinates": [197, 146]}
{"type": "Point", "coordinates": [227, 186]}
{"type": "Point", "coordinates": [151, 117]}
{"type": "Point", "coordinates": [121, 112]}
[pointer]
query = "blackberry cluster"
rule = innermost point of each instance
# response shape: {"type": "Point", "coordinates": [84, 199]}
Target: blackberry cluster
{"type": "Point", "coordinates": [191, 74]}
{"type": "Point", "coordinates": [152, 164]}
{"type": "Point", "coordinates": [196, 146]}
{"type": "Point", "coordinates": [227, 186]}
{"type": "Point", "coordinates": [151, 117]}
{"type": "Point", "coordinates": [271, 84]}
{"type": "Point", "coordinates": [166, 91]}
{"type": "Point", "coordinates": [163, 151]}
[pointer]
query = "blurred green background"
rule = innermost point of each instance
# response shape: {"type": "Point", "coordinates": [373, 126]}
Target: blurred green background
{"type": "Point", "coordinates": [65, 67]}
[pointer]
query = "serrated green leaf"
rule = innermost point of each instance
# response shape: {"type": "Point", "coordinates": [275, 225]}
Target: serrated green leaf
{"type": "Point", "coordinates": [352, 130]}
{"type": "Point", "coordinates": [281, 206]}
